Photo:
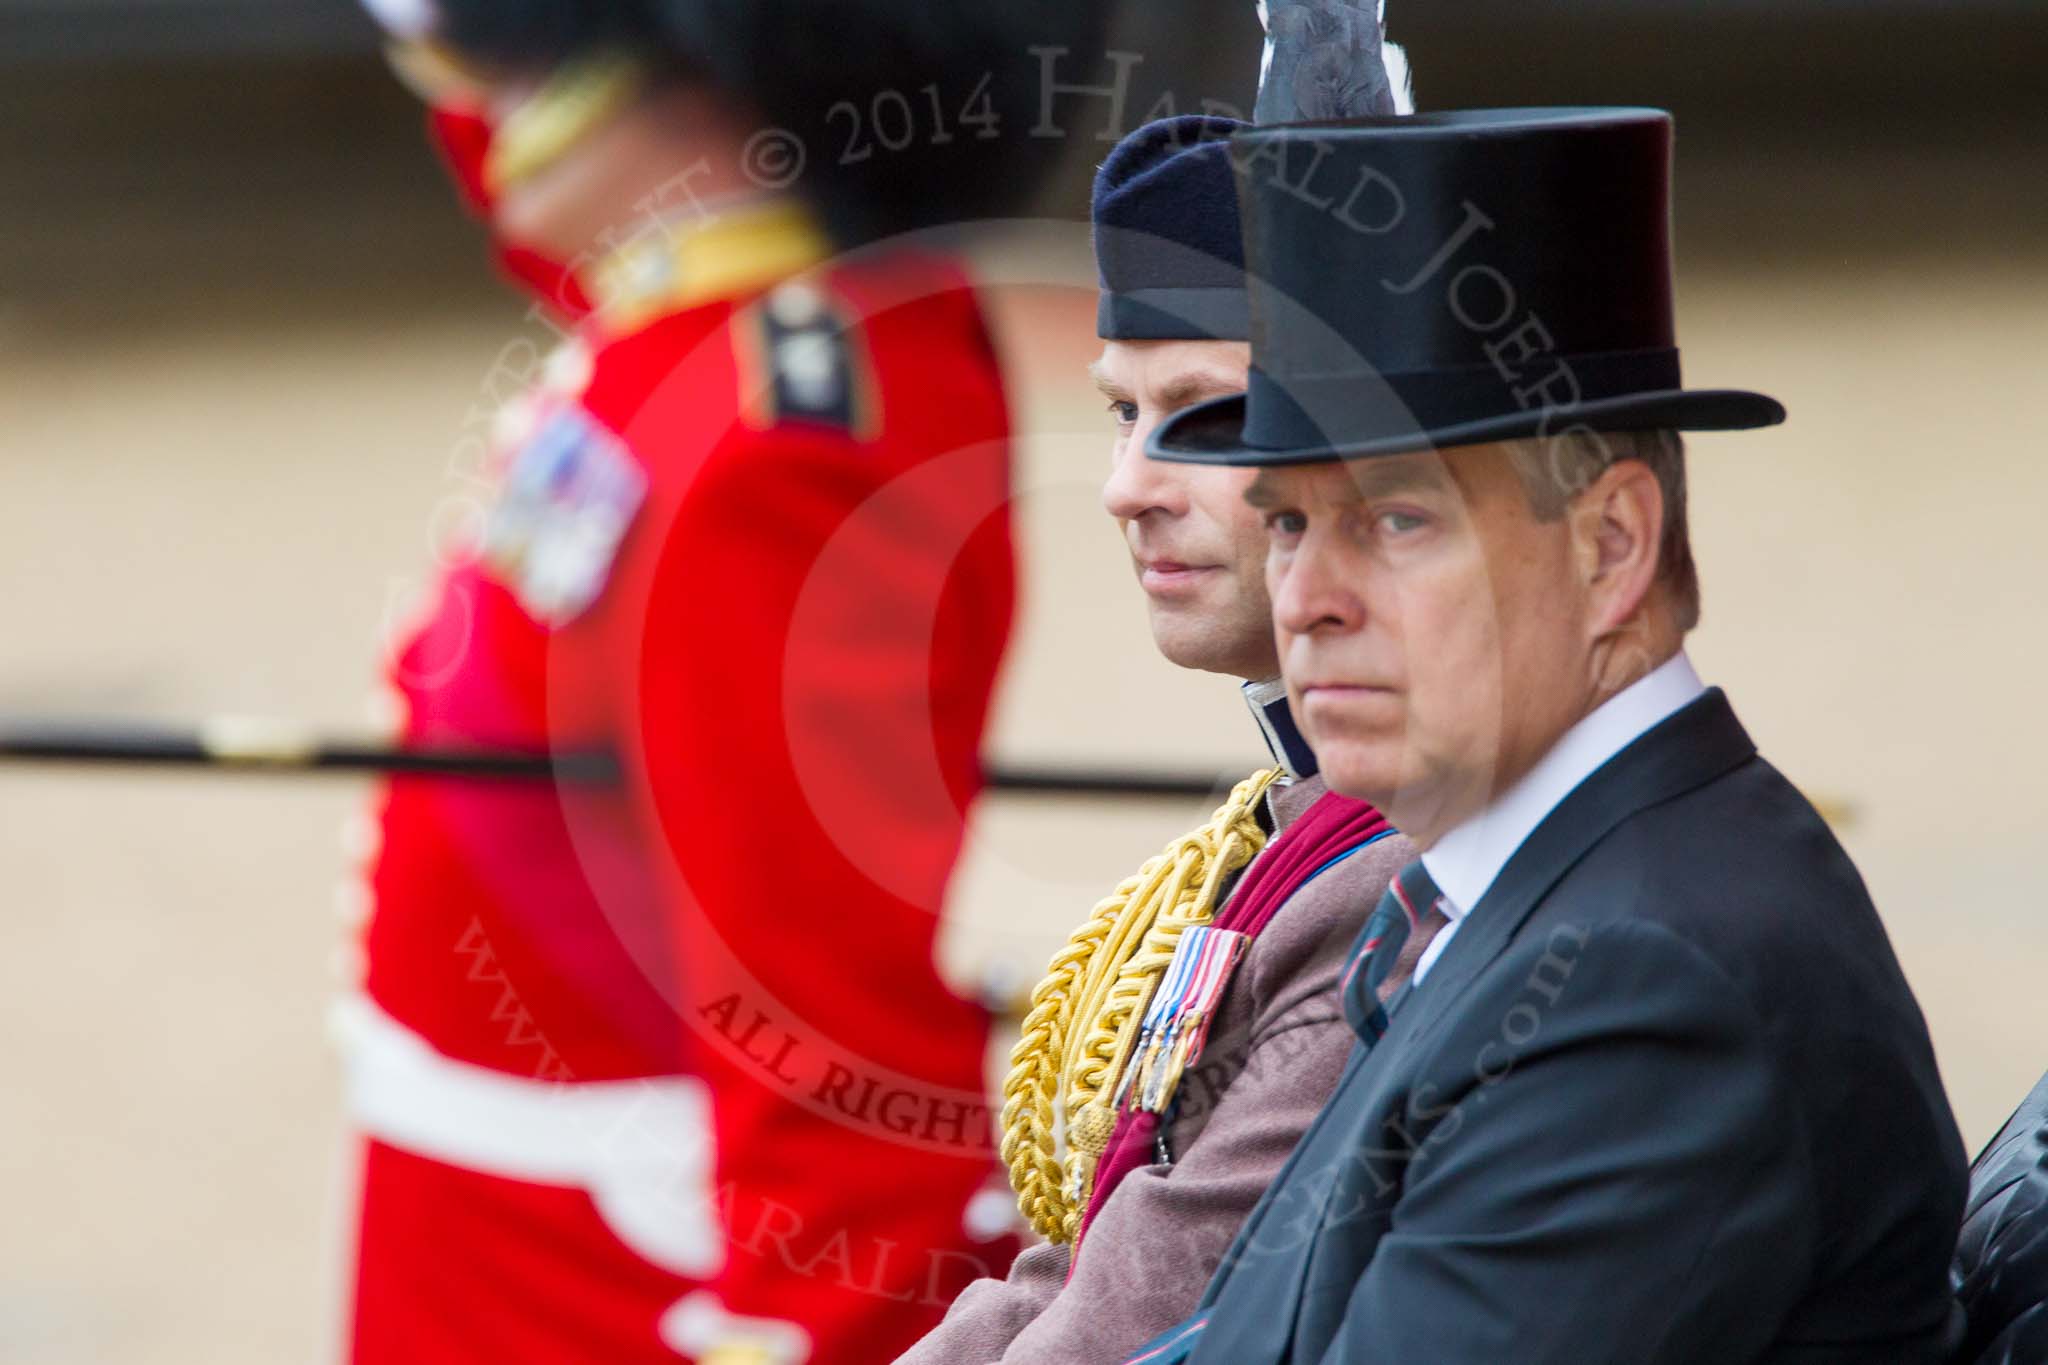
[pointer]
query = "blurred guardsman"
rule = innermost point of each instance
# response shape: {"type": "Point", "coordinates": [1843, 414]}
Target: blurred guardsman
{"type": "Point", "coordinates": [1190, 1029]}
{"type": "Point", "coordinates": [1639, 1081]}
{"type": "Point", "coordinates": [664, 1070]}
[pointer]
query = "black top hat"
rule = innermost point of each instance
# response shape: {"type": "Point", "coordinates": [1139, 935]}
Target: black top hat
{"type": "Point", "coordinates": [1167, 244]}
{"type": "Point", "coordinates": [1452, 279]}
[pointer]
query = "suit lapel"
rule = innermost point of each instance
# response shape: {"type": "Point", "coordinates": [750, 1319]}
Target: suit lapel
{"type": "Point", "coordinates": [1688, 749]}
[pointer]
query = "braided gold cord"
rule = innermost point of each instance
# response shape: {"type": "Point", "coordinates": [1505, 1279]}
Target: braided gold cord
{"type": "Point", "coordinates": [1076, 1039]}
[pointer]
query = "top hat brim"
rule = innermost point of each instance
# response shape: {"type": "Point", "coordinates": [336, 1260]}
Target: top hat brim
{"type": "Point", "coordinates": [1214, 432]}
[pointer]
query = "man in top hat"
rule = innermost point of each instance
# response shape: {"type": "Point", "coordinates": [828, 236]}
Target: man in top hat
{"type": "Point", "coordinates": [1638, 1079]}
{"type": "Point", "coordinates": [663, 1070]}
{"type": "Point", "coordinates": [1135, 1225]}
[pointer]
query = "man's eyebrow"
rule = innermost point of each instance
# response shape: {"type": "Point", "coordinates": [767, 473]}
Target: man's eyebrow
{"type": "Point", "coordinates": [1370, 478]}
{"type": "Point", "coordinates": [1110, 388]}
{"type": "Point", "coordinates": [1384, 475]}
{"type": "Point", "coordinates": [1188, 389]}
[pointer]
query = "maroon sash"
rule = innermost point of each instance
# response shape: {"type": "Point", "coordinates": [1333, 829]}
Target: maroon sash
{"type": "Point", "coordinates": [1332, 827]}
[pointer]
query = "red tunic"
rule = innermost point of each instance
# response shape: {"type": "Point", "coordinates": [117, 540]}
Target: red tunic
{"type": "Point", "coordinates": [648, 1070]}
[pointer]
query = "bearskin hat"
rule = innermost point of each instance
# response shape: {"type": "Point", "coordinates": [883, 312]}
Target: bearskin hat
{"type": "Point", "coordinates": [890, 114]}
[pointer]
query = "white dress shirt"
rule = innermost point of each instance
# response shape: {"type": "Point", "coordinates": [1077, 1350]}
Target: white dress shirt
{"type": "Point", "coordinates": [1464, 863]}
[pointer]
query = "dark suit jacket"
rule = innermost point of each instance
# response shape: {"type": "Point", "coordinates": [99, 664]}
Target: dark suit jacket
{"type": "Point", "coordinates": [1665, 1098]}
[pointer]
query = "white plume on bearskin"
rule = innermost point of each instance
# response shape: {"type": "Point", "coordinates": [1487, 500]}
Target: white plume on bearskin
{"type": "Point", "coordinates": [404, 18]}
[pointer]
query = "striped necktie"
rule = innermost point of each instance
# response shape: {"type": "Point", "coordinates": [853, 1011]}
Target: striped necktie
{"type": "Point", "coordinates": [1408, 916]}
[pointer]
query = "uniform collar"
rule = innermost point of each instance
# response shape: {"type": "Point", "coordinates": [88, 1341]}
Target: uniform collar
{"type": "Point", "coordinates": [1268, 703]}
{"type": "Point", "coordinates": [1465, 862]}
{"type": "Point", "coordinates": [667, 266]}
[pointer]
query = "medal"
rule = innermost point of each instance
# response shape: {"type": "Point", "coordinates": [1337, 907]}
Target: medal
{"type": "Point", "coordinates": [567, 500]}
{"type": "Point", "coordinates": [1177, 1024]}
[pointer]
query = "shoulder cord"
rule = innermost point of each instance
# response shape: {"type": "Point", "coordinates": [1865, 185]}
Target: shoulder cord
{"type": "Point", "coordinates": [1077, 1036]}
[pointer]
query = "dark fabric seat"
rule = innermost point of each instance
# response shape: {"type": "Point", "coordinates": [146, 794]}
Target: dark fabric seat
{"type": "Point", "coordinates": [2001, 1268]}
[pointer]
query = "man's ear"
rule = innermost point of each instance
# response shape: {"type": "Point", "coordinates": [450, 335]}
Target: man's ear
{"type": "Point", "coordinates": [1617, 528]}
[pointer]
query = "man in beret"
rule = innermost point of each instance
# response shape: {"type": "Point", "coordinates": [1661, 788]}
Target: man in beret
{"type": "Point", "coordinates": [1638, 1079]}
{"type": "Point", "coordinates": [1129, 1254]}
{"type": "Point", "coordinates": [663, 1069]}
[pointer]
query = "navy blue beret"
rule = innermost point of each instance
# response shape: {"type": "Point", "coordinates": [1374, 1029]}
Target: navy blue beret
{"type": "Point", "coordinates": [1167, 244]}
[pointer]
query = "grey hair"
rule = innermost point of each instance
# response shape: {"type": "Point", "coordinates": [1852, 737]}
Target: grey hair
{"type": "Point", "coordinates": [1556, 469]}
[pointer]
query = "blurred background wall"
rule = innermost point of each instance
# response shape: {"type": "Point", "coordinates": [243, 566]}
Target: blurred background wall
{"type": "Point", "coordinates": [244, 335]}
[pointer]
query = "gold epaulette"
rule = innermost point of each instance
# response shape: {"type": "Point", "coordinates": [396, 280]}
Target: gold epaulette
{"type": "Point", "coordinates": [1076, 1041]}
